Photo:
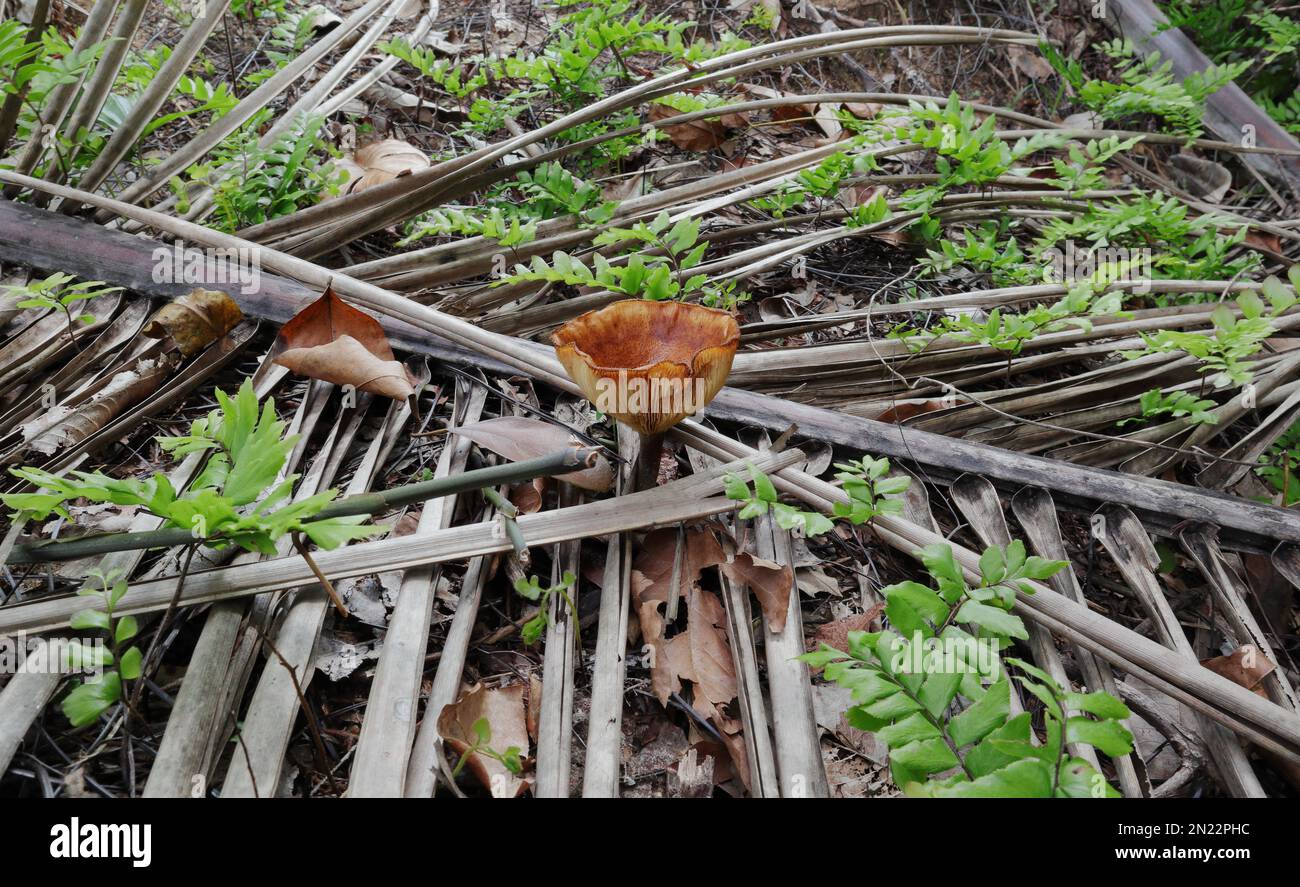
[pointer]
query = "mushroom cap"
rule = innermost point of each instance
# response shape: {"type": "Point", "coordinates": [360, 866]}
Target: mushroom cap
{"type": "Point", "coordinates": [649, 364]}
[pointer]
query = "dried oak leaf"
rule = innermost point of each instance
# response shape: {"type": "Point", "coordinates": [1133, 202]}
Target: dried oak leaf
{"type": "Point", "coordinates": [652, 576]}
{"type": "Point", "coordinates": [504, 710]}
{"type": "Point", "coordinates": [770, 582]}
{"type": "Point", "coordinates": [381, 162]}
{"type": "Point", "coordinates": [195, 320]}
{"type": "Point", "coordinates": [331, 341]}
{"type": "Point", "coordinates": [517, 439]}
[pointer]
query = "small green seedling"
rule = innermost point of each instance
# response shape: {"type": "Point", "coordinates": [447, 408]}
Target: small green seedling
{"type": "Point", "coordinates": [91, 698]}
{"type": "Point", "coordinates": [531, 589]}
{"type": "Point", "coordinates": [58, 293]}
{"type": "Point", "coordinates": [870, 493]}
{"type": "Point", "coordinates": [510, 758]}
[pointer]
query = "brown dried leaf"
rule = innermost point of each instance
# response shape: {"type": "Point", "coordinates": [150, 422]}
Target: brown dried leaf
{"type": "Point", "coordinates": [836, 633]}
{"type": "Point", "coordinates": [771, 583]}
{"type": "Point", "coordinates": [517, 439]}
{"type": "Point", "coordinates": [713, 670]}
{"type": "Point", "coordinates": [652, 576]}
{"type": "Point", "coordinates": [195, 320]}
{"type": "Point", "coordinates": [334, 342]}
{"type": "Point", "coordinates": [697, 135]}
{"type": "Point", "coordinates": [904, 411]}
{"type": "Point", "coordinates": [1030, 62]}
{"type": "Point", "coordinates": [527, 497]}
{"type": "Point", "coordinates": [504, 710]}
{"type": "Point", "coordinates": [381, 162]}
{"type": "Point", "coordinates": [1245, 665]}
{"type": "Point", "coordinates": [1265, 242]}
{"type": "Point", "coordinates": [61, 428]}
{"type": "Point", "coordinates": [863, 110]}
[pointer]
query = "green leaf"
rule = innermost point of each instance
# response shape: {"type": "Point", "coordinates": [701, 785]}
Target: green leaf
{"type": "Point", "coordinates": [999, 622]}
{"type": "Point", "coordinates": [912, 728]}
{"type": "Point", "coordinates": [332, 533]}
{"type": "Point", "coordinates": [1078, 779]}
{"type": "Point", "coordinates": [918, 598]}
{"type": "Point", "coordinates": [986, 715]}
{"type": "Point", "coordinates": [822, 657]}
{"type": "Point", "coordinates": [992, 565]}
{"type": "Point", "coordinates": [80, 656]}
{"type": "Point", "coordinates": [90, 699]}
{"type": "Point", "coordinates": [1108, 737]}
{"type": "Point", "coordinates": [939, 561]}
{"type": "Point", "coordinates": [131, 664]}
{"type": "Point", "coordinates": [1099, 703]}
{"type": "Point", "coordinates": [88, 619]}
{"type": "Point", "coordinates": [127, 628]}
{"type": "Point", "coordinates": [921, 758]}
{"type": "Point", "coordinates": [533, 629]}
{"type": "Point", "coordinates": [938, 691]}
{"type": "Point", "coordinates": [1007, 743]}
{"type": "Point", "coordinates": [1027, 778]}
{"type": "Point", "coordinates": [763, 487]}
{"type": "Point", "coordinates": [735, 487]}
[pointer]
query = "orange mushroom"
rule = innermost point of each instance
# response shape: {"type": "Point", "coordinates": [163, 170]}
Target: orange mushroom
{"type": "Point", "coordinates": [649, 364]}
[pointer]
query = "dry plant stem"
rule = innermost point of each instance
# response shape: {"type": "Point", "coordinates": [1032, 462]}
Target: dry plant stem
{"type": "Point", "coordinates": [328, 235]}
{"type": "Point", "coordinates": [322, 759]}
{"type": "Point", "coordinates": [259, 98]}
{"type": "Point", "coordinates": [159, 89]}
{"type": "Point", "coordinates": [164, 626]}
{"type": "Point", "coordinates": [59, 99]}
{"type": "Point", "coordinates": [1190, 752]}
{"type": "Point", "coordinates": [602, 763]}
{"type": "Point", "coordinates": [1247, 522]}
{"type": "Point", "coordinates": [320, 577]}
{"type": "Point", "coordinates": [384, 753]}
{"type": "Point", "coordinates": [101, 82]}
{"type": "Point", "coordinates": [690, 497]}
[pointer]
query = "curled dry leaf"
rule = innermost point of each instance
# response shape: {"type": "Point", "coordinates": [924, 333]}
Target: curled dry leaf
{"type": "Point", "coordinates": [64, 427]}
{"type": "Point", "coordinates": [1245, 665]}
{"type": "Point", "coordinates": [770, 582]}
{"type": "Point", "coordinates": [516, 438]}
{"type": "Point", "coordinates": [504, 710]}
{"type": "Point", "coordinates": [195, 320]}
{"type": "Point", "coordinates": [380, 162]}
{"type": "Point", "coordinates": [1030, 62]}
{"type": "Point", "coordinates": [697, 135]}
{"type": "Point", "coordinates": [331, 341]}
{"type": "Point", "coordinates": [652, 578]}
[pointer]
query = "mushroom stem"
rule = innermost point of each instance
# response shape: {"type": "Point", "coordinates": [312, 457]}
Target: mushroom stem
{"type": "Point", "coordinates": [648, 456]}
